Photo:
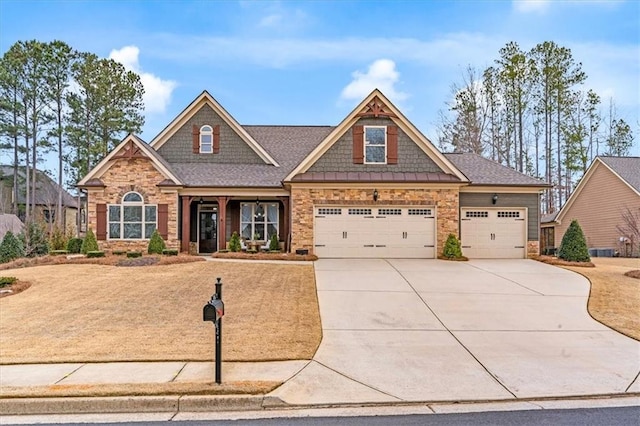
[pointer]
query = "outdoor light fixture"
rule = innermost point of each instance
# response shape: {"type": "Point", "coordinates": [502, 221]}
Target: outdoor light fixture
{"type": "Point", "coordinates": [375, 195]}
{"type": "Point", "coordinates": [201, 200]}
{"type": "Point", "coordinates": [257, 202]}
{"type": "Point", "coordinates": [494, 199]}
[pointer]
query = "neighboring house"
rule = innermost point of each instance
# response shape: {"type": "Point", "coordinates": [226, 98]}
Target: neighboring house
{"type": "Point", "coordinates": [372, 186]}
{"type": "Point", "coordinates": [46, 202]}
{"type": "Point", "coordinates": [609, 186]}
{"type": "Point", "coordinates": [10, 222]}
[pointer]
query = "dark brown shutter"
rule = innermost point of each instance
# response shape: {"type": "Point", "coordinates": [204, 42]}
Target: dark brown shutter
{"type": "Point", "coordinates": [358, 144]}
{"type": "Point", "coordinates": [163, 220]}
{"type": "Point", "coordinates": [101, 222]}
{"type": "Point", "coordinates": [195, 134]}
{"type": "Point", "coordinates": [392, 145]}
{"type": "Point", "coordinates": [216, 139]}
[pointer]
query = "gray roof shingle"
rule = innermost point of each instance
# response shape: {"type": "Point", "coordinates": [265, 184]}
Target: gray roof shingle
{"type": "Point", "coordinates": [628, 168]}
{"type": "Point", "coordinates": [47, 189]}
{"type": "Point", "coordinates": [482, 171]}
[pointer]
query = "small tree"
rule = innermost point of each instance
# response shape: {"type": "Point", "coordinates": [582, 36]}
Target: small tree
{"type": "Point", "coordinates": [274, 244]}
{"type": "Point", "coordinates": [57, 239]}
{"type": "Point", "coordinates": [89, 243]}
{"type": "Point", "coordinates": [573, 247]}
{"type": "Point", "coordinates": [34, 239]}
{"type": "Point", "coordinates": [11, 248]}
{"type": "Point", "coordinates": [234, 242]}
{"type": "Point", "coordinates": [452, 249]}
{"type": "Point", "coordinates": [156, 244]}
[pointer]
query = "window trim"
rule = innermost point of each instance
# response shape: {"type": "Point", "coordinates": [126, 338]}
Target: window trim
{"type": "Point", "coordinates": [206, 130]}
{"type": "Point", "coordinates": [121, 221]}
{"type": "Point", "coordinates": [366, 145]}
{"type": "Point", "coordinates": [265, 222]}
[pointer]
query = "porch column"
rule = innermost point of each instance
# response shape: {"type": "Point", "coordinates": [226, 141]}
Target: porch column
{"type": "Point", "coordinates": [186, 224]}
{"type": "Point", "coordinates": [222, 222]}
{"type": "Point", "coordinates": [287, 218]}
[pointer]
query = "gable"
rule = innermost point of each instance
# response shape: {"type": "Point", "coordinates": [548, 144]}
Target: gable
{"type": "Point", "coordinates": [406, 149]}
{"type": "Point", "coordinates": [194, 114]}
{"type": "Point", "coordinates": [178, 148]}
{"type": "Point", "coordinates": [339, 158]}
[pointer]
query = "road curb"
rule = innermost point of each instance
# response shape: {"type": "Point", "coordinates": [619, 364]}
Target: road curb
{"type": "Point", "coordinates": [85, 405]}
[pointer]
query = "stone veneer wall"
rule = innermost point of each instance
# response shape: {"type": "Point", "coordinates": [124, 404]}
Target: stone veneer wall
{"type": "Point", "coordinates": [303, 200]}
{"type": "Point", "coordinates": [533, 248]}
{"type": "Point", "coordinates": [133, 175]}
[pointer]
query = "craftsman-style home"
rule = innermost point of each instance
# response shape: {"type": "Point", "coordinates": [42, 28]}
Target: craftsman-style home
{"type": "Point", "coordinates": [372, 186]}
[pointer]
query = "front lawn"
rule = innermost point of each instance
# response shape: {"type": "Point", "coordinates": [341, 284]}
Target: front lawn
{"type": "Point", "coordinates": [93, 313]}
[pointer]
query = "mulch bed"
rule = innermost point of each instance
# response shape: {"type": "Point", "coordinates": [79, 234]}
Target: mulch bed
{"type": "Point", "coordinates": [15, 288]}
{"type": "Point", "coordinates": [633, 274]}
{"type": "Point", "coordinates": [559, 262]}
{"type": "Point", "coordinates": [265, 256]}
{"type": "Point", "coordinates": [109, 260]}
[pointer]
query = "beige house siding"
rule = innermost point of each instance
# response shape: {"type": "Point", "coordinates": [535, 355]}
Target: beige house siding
{"type": "Point", "coordinates": [303, 200]}
{"type": "Point", "coordinates": [598, 208]}
{"type": "Point", "coordinates": [133, 175]}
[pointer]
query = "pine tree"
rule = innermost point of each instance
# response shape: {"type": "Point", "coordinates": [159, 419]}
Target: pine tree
{"type": "Point", "coordinates": [89, 243]}
{"type": "Point", "coordinates": [234, 242]}
{"type": "Point", "coordinates": [11, 248]}
{"type": "Point", "coordinates": [452, 249]}
{"type": "Point", "coordinates": [156, 244]}
{"type": "Point", "coordinates": [573, 247]}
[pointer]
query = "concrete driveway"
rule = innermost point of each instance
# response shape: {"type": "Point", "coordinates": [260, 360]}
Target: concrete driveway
{"type": "Point", "coordinates": [430, 330]}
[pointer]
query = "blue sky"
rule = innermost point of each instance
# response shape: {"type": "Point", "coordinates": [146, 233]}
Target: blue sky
{"type": "Point", "coordinates": [292, 62]}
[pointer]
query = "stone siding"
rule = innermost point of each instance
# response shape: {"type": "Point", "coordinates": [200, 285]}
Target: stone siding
{"type": "Point", "coordinates": [533, 248]}
{"type": "Point", "coordinates": [339, 158]}
{"type": "Point", "coordinates": [304, 199]}
{"type": "Point", "coordinates": [133, 175]}
{"type": "Point", "coordinates": [233, 150]}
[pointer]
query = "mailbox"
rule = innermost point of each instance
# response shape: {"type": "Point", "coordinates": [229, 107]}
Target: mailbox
{"type": "Point", "coordinates": [213, 311]}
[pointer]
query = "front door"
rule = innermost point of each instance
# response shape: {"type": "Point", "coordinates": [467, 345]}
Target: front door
{"type": "Point", "coordinates": [207, 229]}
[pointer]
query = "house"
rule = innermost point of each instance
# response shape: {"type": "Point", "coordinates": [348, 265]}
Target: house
{"type": "Point", "coordinates": [609, 186]}
{"type": "Point", "coordinates": [46, 201]}
{"type": "Point", "coordinates": [372, 186]}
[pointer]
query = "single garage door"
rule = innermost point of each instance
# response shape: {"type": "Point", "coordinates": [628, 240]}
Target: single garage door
{"type": "Point", "coordinates": [374, 232]}
{"type": "Point", "coordinates": [493, 233]}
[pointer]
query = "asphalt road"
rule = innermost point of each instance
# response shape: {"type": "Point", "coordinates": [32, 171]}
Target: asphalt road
{"type": "Point", "coordinates": [589, 416]}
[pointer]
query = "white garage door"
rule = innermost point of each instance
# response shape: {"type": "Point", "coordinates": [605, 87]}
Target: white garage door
{"type": "Point", "coordinates": [374, 232]}
{"type": "Point", "coordinates": [493, 233]}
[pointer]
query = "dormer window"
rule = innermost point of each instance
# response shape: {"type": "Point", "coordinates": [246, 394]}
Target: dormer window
{"type": "Point", "coordinates": [206, 140]}
{"type": "Point", "coordinates": [375, 144]}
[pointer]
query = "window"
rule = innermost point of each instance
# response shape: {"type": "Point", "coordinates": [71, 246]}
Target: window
{"type": "Point", "coordinates": [132, 220]}
{"type": "Point", "coordinates": [258, 221]}
{"type": "Point", "coordinates": [49, 215]}
{"type": "Point", "coordinates": [476, 214]}
{"type": "Point", "coordinates": [508, 214]}
{"type": "Point", "coordinates": [206, 140]}
{"type": "Point", "coordinates": [375, 144]}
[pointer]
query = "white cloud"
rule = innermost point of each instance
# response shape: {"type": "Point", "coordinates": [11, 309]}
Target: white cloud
{"type": "Point", "coordinates": [157, 92]}
{"type": "Point", "coordinates": [381, 75]}
{"type": "Point", "coordinates": [526, 6]}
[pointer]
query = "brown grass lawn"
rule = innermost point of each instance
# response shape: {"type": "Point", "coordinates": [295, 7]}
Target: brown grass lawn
{"type": "Point", "coordinates": [92, 313]}
{"type": "Point", "coordinates": [615, 298]}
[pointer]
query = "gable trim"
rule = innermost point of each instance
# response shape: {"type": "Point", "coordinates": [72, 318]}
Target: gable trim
{"type": "Point", "coordinates": [206, 99]}
{"type": "Point", "coordinates": [583, 182]}
{"type": "Point", "coordinates": [116, 154]}
{"type": "Point", "coordinates": [396, 116]}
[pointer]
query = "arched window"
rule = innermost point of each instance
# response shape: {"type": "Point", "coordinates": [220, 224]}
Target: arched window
{"type": "Point", "coordinates": [132, 219]}
{"type": "Point", "coordinates": [206, 140]}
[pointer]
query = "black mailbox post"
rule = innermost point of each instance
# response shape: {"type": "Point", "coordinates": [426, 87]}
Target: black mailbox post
{"type": "Point", "coordinates": [214, 311]}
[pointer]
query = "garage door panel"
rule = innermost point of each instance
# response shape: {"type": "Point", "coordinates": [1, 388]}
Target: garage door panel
{"type": "Point", "coordinates": [375, 232]}
{"type": "Point", "coordinates": [493, 233]}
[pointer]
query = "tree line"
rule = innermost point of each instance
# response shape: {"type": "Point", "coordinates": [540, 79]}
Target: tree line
{"type": "Point", "coordinates": [528, 111]}
{"type": "Point", "coordinates": [54, 98]}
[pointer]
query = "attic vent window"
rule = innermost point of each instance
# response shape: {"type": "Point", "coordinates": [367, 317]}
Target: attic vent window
{"type": "Point", "coordinates": [206, 140]}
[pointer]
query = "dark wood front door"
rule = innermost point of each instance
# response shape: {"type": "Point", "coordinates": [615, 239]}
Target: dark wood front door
{"type": "Point", "coordinates": [208, 231]}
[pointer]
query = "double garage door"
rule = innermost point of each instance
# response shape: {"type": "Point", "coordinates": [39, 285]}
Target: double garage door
{"type": "Point", "coordinates": [372, 232]}
{"type": "Point", "coordinates": [493, 233]}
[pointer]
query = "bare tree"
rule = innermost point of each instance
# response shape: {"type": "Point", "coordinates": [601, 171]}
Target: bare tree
{"type": "Point", "coordinates": [630, 228]}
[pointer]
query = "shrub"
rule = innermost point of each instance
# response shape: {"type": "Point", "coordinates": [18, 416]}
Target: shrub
{"type": "Point", "coordinates": [223, 251]}
{"type": "Point", "coordinates": [57, 239]}
{"type": "Point", "coordinates": [170, 252]}
{"type": "Point", "coordinates": [5, 281]}
{"type": "Point", "coordinates": [119, 252]}
{"type": "Point", "coordinates": [573, 247]}
{"type": "Point", "coordinates": [134, 254]}
{"type": "Point", "coordinates": [95, 253]}
{"type": "Point", "coordinates": [274, 244]}
{"type": "Point", "coordinates": [234, 242]}
{"type": "Point", "coordinates": [452, 249]}
{"type": "Point", "coordinates": [89, 243]}
{"type": "Point", "coordinates": [57, 252]}
{"type": "Point", "coordinates": [74, 245]}
{"type": "Point", "coordinates": [34, 239]}
{"type": "Point", "coordinates": [156, 243]}
{"type": "Point", "coordinates": [11, 248]}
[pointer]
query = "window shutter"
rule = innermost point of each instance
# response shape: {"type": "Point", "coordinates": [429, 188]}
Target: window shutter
{"type": "Point", "coordinates": [392, 145]}
{"type": "Point", "coordinates": [216, 139]}
{"type": "Point", "coordinates": [195, 133]}
{"type": "Point", "coordinates": [101, 222]}
{"type": "Point", "coordinates": [358, 144]}
{"type": "Point", "coordinates": [163, 220]}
